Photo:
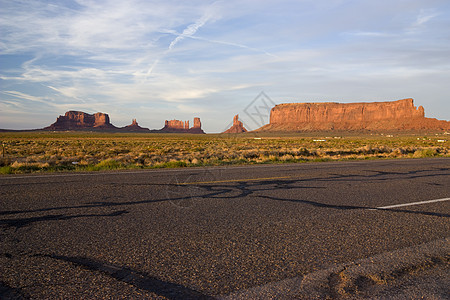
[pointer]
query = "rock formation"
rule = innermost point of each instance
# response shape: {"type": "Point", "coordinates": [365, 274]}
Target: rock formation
{"type": "Point", "coordinates": [177, 126]}
{"type": "Point", "coordinates": [197, 123]}
{"type": "Point", "coordinates": [78, 120]}
{"type": "Point", "coordinates": [134, 127]}
{"type": "Point", "coordinates": [399, 115]}
{"type": "Point", "coordinates": [237, 126]}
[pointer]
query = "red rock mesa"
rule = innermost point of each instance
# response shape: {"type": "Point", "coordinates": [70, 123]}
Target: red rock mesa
{"type": "Point", "coordinates": [177, 126]}
{"type": "Point", "coordinates": [237, 126]}
{"type": "Point", "coordinates": [400, 115]}
{"type": "Point", "coordinates": [76, 120]}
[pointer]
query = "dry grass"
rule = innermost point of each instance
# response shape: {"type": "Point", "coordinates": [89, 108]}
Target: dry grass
{"type": "Point", "coordinates": [38, 151]}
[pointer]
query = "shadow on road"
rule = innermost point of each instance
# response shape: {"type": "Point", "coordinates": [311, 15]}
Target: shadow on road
{"type": "Point", "coordinates": [21, 222]}
{"type": "Point", "coordinates": [140, 280]}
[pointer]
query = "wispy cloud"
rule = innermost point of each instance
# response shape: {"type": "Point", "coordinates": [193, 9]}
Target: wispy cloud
{"type": "Point", "coordinates": [421, 21]}
{"type": "Point", "coordinates": [424, 16]}
{"type": "Point", "coordinates": [189, 31]}
{"type": "Point", "coordinates": [24, 96]}
{"type": "Point", "coordinates": [370, 34]}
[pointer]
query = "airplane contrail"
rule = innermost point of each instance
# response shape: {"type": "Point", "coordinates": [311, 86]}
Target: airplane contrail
{"type": "Point", "coordinates": [187, 32]}
{"type": "Point", "coordinates": [190, 31]}
{"type": "Point", "coordinates": [234, 44]}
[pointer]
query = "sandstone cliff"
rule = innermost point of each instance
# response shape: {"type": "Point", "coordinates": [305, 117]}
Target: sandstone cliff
{"type": "Point", "coordinates": [399, 115]}
{"type": "Point", "coordinates": [78, 120]}
{"type": "Point", "coordinates": [177, 126]}
{"type": "Point", "coordinates": [237, 126]}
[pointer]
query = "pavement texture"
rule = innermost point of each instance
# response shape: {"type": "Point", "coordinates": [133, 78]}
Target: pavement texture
{"type": "Point", "coordinates": [292, 231]}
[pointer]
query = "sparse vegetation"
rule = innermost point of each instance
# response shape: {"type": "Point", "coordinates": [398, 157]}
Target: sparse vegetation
{"type": "Point", "coordinates": [77, 151]}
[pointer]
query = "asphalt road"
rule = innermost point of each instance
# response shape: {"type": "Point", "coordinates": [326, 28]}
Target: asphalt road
{"type": "Point", "coordinates": [222, 232]}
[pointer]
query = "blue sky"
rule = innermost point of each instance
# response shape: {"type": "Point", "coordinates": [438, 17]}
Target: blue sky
{"type": "Point", "coordinates": [158, 60]}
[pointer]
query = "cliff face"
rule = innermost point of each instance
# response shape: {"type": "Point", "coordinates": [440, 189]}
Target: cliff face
{"type": "Point", "coordinates": [375, 116]}
{"type": "Point", "coordinates": [76, 120]}
{"type": "Point", "coordinates": [237, 126]}
{"type": "Point", "coordinates": [177, 126]}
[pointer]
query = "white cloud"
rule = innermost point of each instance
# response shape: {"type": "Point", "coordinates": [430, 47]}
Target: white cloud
{"type": "Point", "coordinates": [24, 96]}
{"type": "Point", "coordinates": [424, 17]}
{"type": "Point", "coordinates": [370, 34]}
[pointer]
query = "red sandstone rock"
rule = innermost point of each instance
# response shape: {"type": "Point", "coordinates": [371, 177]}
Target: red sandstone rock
{"type": "Point", "coordinates": [197, 123]}
{"type": "Point", "coordinates": [177, 126]}
{"type": "Point", "coordinates": [399, 115]}
{"type": "Point", "coordinates": [237, 126]}
{"type": "Point", "coordinates": [134, 127]}
{"type": "Point", "coordinates": [77, 120]}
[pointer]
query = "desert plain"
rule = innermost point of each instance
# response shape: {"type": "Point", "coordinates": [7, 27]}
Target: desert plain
{"type": "Point", "coordinates": [30, 152]}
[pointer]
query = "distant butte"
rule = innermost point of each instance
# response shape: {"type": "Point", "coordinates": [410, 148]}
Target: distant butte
{"type": "Point", "coordinates": [78, 120]}
{"type": "Point", "coordinates": [177, 126]}
{"type": "Point", "coordinates": [400, 115]}
{"type": "Point", "coordinates": [237, 126]}
{"type": "Point", "coordinates": [134, 127]}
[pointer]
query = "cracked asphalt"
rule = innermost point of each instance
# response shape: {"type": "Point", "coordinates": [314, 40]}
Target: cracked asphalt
{"type": "Point", "coordinates": [202, 233]}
